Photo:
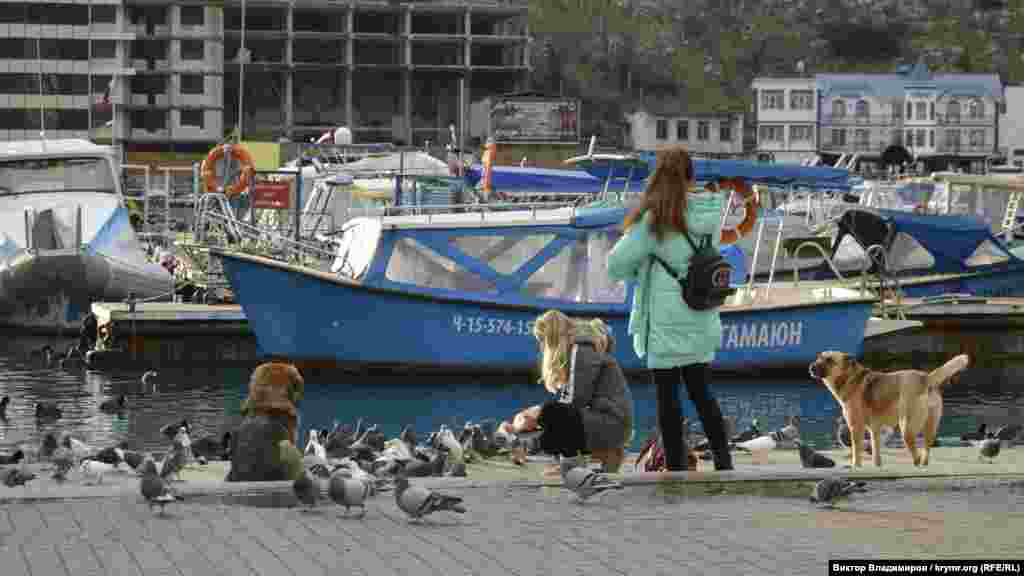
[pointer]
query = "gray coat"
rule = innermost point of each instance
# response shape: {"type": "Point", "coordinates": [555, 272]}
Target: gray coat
{"type": "Point", "coordinates": [602, 396]}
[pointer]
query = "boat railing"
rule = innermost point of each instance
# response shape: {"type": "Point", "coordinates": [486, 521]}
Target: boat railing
{"type": "Point", "coordinates": [432, 210]}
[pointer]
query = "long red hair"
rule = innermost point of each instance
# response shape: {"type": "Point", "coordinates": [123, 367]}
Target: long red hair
{"type": "Point", "coordinates": [666, 192]}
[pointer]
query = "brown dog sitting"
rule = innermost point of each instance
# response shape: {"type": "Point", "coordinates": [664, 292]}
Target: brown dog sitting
{"type": "Point", "coordinates": [909, 399]}
{"type": "Point", "coordinates": [274, 389]}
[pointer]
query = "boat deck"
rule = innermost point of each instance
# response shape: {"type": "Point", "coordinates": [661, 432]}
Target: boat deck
{"type": "Point", "coordinates": [958, 310]}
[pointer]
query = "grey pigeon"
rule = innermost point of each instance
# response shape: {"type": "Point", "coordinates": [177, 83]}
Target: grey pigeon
{"type": "Point", "coordinates": [16, 477]}
{"type": "Point", "coordinates": [811, 459]}
{"type": "Point", "coordinates": [980, 434]}
{"type": "Point", "coordinates": [585, 482]}
{"type": "Point", "coordinates": [133, 459]}
{"type": "Point", "coordinates": [155, 490]}
{"type": "Point", "coordinates": [417, 501]}
{"type": "Point", "coordinates": [306, 490]}
{"type": "Point", "coordinates": [12, 458]}
{"type": "Point", "coordinates": [349, 492]}
{"type": "Point", "coordinates": [989, 447]}
{"type": "Point", "coordinates": [831, 490]}
{"type": "Point", "coordinates": [63, 461]}
{"type": "Point", "coordinates": [1009, 433]}
{"type": "Point", "coordinates": [172, 464]}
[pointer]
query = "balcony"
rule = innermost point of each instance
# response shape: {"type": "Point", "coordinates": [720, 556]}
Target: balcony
{"type": "Point", "coordinates": [862, 147]}
{"type": "Point", "coordinates": [964, 149]}
{"type": "Point", "coordinates": [964, 120]}
{"type": "Point", "coordinates": [862, 120]}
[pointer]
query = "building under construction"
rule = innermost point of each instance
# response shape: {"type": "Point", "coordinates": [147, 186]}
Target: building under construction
{"type": "Point", "coordinates": [163, 75]}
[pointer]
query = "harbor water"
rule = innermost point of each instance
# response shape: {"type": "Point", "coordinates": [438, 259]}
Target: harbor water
{"type": "Point", "coordinates": [211, 399]}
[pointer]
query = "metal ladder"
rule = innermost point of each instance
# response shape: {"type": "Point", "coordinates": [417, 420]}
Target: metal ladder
{"type": "Point", "coordinates": [1010, 217]}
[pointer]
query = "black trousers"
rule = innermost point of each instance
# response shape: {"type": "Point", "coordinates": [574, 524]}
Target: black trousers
{"type": "Point", "coordinates": [563, 429]}
{"type": "Point", "coordinates": [696, 377]}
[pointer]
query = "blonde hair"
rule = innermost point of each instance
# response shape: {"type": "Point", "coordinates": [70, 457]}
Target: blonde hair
{"type": "Point", "coordinates": [556, 333]}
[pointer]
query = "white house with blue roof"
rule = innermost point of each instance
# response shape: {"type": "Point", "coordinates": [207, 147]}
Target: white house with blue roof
{"type": "Point", "coordinates": [938, 118]}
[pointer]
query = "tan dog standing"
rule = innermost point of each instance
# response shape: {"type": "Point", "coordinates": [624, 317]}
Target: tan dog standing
{"type": "Point", "coordinates": [910, 399]}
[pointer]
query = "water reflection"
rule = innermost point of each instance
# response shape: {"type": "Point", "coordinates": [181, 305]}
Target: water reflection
{"type": "Point", "coordinates": [211, 400]}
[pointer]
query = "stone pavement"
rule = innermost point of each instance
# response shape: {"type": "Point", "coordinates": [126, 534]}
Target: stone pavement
{"type": "Point", "coordinates": [521, 530]}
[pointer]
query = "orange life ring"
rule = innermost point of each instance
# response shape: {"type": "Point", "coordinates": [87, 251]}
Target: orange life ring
{"type": "Point", "coordinates": [732, 235]}
{"type": "Point", "coordinates": [240, 154]}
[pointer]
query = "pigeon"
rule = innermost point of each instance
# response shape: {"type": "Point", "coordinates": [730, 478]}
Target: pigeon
{"type": "Point", "coordinates": [418, 501]}
{"type": "Point", "coordinates": [830, 490]}
{"type": "Point", "coordinates": [80, 449]}
{"type": "Point", "coordinates": [585, 482]}
{"type": "Point", "coordinates": [178, 458]}
{"type": "Point", "coordinates": [811, 459]}
{"type": "Point", "coordinates": [1009, 433]}
{"type": "Point", "coordinates": [12, 458]}
{"type": "Point", "coordinates": [48, 410]}
{"type": "Point", "coordinates": [314, 446]}
{"type": "Point", "coordinates": [213, 448]}
{"type": "Point", "coordinates": [989, 447]}
{"type": "Point", "coordinates": [155, 490]}
{"type": "Point", "coordinates": [63, 461]}
{"type": "Point", "coordinates": [980, 434]}
{"type": "Point", "coordinates": [48, 445]}
{"type": "Point", "coordinates": [112, 455]}
{"type": "Point", "coordinates": [433, 467]}
{"type": "Point", "coordinates": [15, 477]}
{"type": "Point", "coordinates": [749, 434]}
{"type": "Point", "coordinates": [114, 406]}
{"type": "Point", "coordinates": [134, 459]}
{"type": "Point", "coordinates": [3, 406]}
{"type": "Point", "coordinates": [171, 430]}
{"type": "Point", "coordinates": [408, 435]}
{"type": "Point", "coordinates": [349, 492]}
{"type": "Point", "coordinates": [95, 470]}
{"type": "Point", "coordinates": [306, 490]}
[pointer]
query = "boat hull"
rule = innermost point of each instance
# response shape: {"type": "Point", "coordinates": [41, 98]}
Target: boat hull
{"type": "Point", "coordinates": [306, 317]}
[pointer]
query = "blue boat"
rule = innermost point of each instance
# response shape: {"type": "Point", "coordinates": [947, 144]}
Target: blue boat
{"type": "Point", "coordinates": [460, 290]}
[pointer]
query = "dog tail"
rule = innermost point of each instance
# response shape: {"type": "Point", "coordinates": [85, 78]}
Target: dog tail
{"type": "Point", "coordinates": [943, 373]}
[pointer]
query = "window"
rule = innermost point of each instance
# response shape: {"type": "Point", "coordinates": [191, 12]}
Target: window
{"type": "Point", "coordinates": [910, 138]}
{"type": "Point", "coordinates": [801, 134]}
{"type": "Point", "coordinates": [414, 263]}
{"type": "Point", "coordinates": [921, 109]}
{"type": "Point", "coordinates": [771, 134]}
{"type": "Point", "coordinates": [192, 118]}
{"type": "Point", "coordinates": [862, 110]}
{"type": "Point", "coordinates": [952, 139]}
{"type": "Point", "coordinates": [953, 111]}
{"type": "Point", "coordinates": [838, 137]}
{"type": "Point", "coordinates": [976, 109]}
{"type": "Point", "coordinates": [683, 130]}
{"type": "Point", "coordinates": [19, 83]}
{"type": "Point", "coordinates": [919, 138]}
{"type": "Point", "coordinates": [931, 110]}
{"type": "Point", "coordinates": [51, 174]}
{"type": "Point", "coordinates": [192, 84]}
{"type": "Point", "coordinates": [193, 15]}
{"type": "Point", "coordinates": [910, 111]}
{"type": "Point", "coordinates": [773, 99]}
{"type": "Point", "coordinates": [66, 84]}
{"type": "Point", "coordinates": [838, 108]}
{"type": "Point", "coordinates": [104, 49]}
{"type": "Point", "coordinates": [977, 137]}
{"type": "Point", "coordinates": [104, 14]}
{"type": "Point", "coordinates": [862, 139]}
{"type": "Point", "coordinates": [931, 138]}
{"type": "Point", "coordinates": [801, 100]}
{"type": "Point", "coordinates": [897, 110]}
{"type": "Point", "coordinates": [578, 272]}
{"type": "Point", "coordinates": [725, 131]}
{"type": "Point", "coordinates": [192, 50]}
{"type": "Point", "coordinates": [703, 130]}
{"type": "Point", "coordinates": [505, 254]}
{"type": "Point", "coordinates": [661, 129]}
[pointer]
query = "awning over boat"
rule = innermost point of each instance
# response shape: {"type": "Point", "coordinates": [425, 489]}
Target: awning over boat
{"type": "Point", "coordinates": [532, 179]}
{"type": "Point", "coordinates": [951, 239]}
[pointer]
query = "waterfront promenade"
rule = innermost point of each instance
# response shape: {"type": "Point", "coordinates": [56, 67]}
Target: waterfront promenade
{"type": "Point", "coordinates": [516, 528]}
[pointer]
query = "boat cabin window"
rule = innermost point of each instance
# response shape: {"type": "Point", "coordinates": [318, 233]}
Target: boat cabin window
{"type": "Point", "coordinates": [988, 204]}
{"type": "Point", "coordinates": [579, 272]}
{"type": "Point", "coordinates": [40, 175]}
{"type": "Point", "coordinates": [414, 263]}
{"type": "Point", "coordinates": [505, 254]}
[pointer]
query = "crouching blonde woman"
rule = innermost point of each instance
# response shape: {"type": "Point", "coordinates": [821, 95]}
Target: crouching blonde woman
{"type": "Point", "coordinates": [593, 406]}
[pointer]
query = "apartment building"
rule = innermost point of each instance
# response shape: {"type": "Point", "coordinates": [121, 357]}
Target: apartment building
{"type": "Point", "coordinates": [941, 119]}
{"type": "Point", "coordinates": [160, 75]}
{"type": "Point", "coordinates": [1011, 127]}
{"type": "Point", "coordinates": [787, 117]}
{"type": "Point", "coordinates": [712, 134]}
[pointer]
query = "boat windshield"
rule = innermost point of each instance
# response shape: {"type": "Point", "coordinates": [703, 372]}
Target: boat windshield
{"type": "Point", "coordinates": [46, 175]}
{"type": "Point", "coordinates": [987, 203]}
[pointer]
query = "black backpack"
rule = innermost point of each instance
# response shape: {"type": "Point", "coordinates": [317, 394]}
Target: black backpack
{"type": "Point", "coordinates": [706, 285]}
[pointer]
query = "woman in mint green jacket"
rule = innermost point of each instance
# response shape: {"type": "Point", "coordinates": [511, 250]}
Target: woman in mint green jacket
{"type": "Point", "coordinates": [679, 342]}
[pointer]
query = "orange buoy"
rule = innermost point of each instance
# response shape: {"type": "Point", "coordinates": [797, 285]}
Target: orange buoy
{"type": "Point", "coordinates": [732, 235]}
{"type": "Point", "coordinates": [242, 156]}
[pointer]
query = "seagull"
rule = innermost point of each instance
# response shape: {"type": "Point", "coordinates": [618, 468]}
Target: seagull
{"type": "Point", "coordinates": [831, 490]}
{"type": "Point", "coordinates": [349, 492]}
{"type": "Point", "coordinates": [447, 439]}
{"type": "Point", "coordinates": [417, 501]}
{"type": "Point", "coordinates": [95, 469]}
{"type": "Point", "coordinates": [306, 490]}
{"type": "Point", "coordinates": [585, 482]}
{"type": "Point", "coordinates": [114, 405]}
{"type": "Point", "coordinates": [12, 458]}
{"type": "Point", "coordinates": [17, 477]}
{"type": "Point", "coordinates": [63, 461]}
{"type": "Point", "coordinates": [48, 410]}
{"type": "Point", "coordinates": [811, 459]}
{"type": "Point", "coordinates": [988, 448]}
{"type": "Point", "coordinates": [155, 490]}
